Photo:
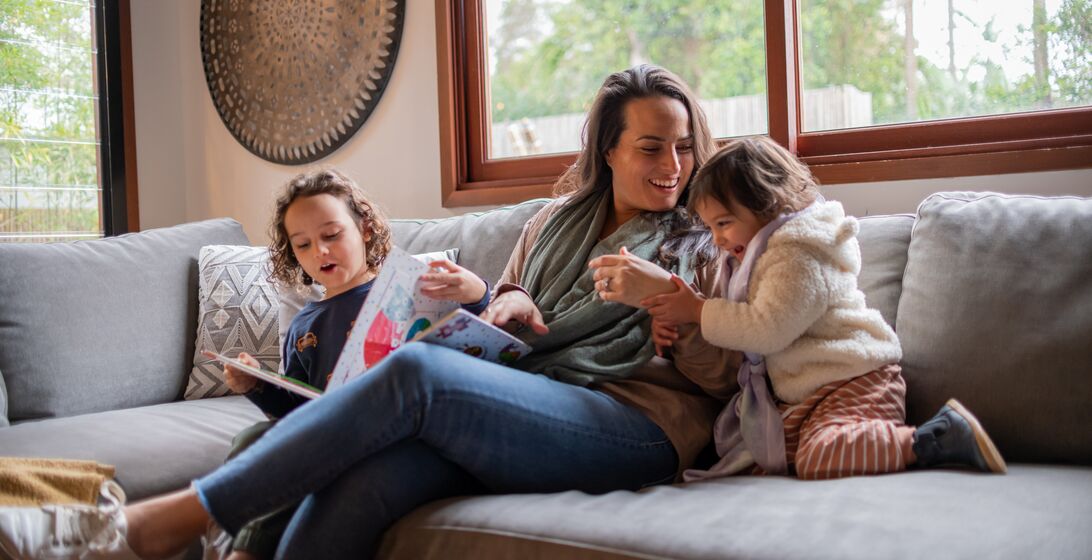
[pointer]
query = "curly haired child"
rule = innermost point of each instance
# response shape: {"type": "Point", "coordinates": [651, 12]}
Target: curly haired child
{"type": "Point", "coordinates": [325, 231]}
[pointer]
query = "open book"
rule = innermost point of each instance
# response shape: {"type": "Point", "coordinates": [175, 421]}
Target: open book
{"type": "Point", "coordinates": [394, 313]}
{"type": "Point", "coordinates": [282, 381]}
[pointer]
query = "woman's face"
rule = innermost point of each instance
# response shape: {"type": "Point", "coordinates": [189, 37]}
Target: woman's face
{"type": "Point", "coordinates": [654, 157]}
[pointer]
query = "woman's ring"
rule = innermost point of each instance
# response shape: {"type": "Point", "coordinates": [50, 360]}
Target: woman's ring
{"type": "Point", "coordinates": [606, 284]}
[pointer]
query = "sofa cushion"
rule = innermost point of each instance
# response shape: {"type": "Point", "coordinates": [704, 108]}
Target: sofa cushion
{"type": "Point", "coordinates": [996, 310]}
{"type": "Point", "coordinates": [485, 239]}
{"type": "Point", "coordinates": [884, 241]}
{"type": "Point", "coordinates": [1032, 512]}
{"type": "Point", "coordinates": [156, 448]}
{"type": "Point", "coordinates": [3, 402]}
{"type": "Point", "coordinates": [237, 312]}
{"type": "Point", "coordinates": [102, 324]}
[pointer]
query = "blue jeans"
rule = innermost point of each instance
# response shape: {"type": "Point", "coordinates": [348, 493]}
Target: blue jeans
{"type": "Point", "coordinates": [428, 423]}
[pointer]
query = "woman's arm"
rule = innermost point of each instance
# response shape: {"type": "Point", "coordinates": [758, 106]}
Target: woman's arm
{"type": "Point", "coordinates": [510, 301]}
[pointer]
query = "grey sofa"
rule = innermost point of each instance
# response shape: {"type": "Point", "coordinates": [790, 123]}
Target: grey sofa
{"type": "Point", "coordinates": [991, 296]}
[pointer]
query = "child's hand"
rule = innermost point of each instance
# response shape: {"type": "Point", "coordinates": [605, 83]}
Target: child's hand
{"type": "Point", "coordinates": [664, 335]}
{"type": "Point", "coordinates": [452, 282]}
{"type": "Point", "coordinates": [677, 308]}
{"type": "Point", "coordinates": [238, 381]}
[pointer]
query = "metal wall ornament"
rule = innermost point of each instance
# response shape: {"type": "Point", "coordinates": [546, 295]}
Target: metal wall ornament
{"type": "Point", "coordinates": [293, 80]}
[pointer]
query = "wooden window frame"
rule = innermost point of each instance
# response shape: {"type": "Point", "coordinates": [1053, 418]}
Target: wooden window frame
{"type": "Point", "coordinates": [116, 124]}
{"type": "Point", "coordinates": [986, 145]}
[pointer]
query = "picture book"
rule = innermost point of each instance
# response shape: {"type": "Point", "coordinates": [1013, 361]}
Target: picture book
{"type": "Point", "coordinates": [462, 330]}
{"type": "Point", "coordinates": [396, 312]}
{"type": "Point", "coordinates": [283, 381]}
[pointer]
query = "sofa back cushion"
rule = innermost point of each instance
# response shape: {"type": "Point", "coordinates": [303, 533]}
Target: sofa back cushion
{"type": "Point", "coordinates": [884, 241]}
{"type": "Point", "coordinates": [996, 310]}
{"type": "Point", "coordinates": [484, 239]}
{"type": "Point", "coordinates": [101, 324]}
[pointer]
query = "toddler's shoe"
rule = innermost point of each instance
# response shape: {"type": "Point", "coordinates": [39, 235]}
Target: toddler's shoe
{"type": "Point", "coordinates": [955, 437]}
{"type": "Point", "coordinates": [68, 531]}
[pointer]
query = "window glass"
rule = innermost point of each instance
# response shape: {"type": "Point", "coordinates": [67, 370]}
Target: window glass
{"type": "Point", "coordinates": [897, 61]}
{"type": "Point", "coordinates": [547, 58]}
{"type": "Point", "coordinates": [49, 187]}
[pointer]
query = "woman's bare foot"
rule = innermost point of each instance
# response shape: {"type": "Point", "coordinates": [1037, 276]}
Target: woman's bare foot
{"type": "Point", "coordinates": [164, 526]}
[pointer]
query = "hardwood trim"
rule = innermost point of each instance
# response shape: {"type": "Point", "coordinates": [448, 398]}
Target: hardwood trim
{"type": "Point", "coordinates": [1038, 125]}
{"type": "Point", "coordinates": [449, 74]}
{"type": "Point", "coordinates": [782, 103]}
{"type": "Point", "coordinates": [499, 193]}
{"type": "Point", "coordinates": [132, 205]}
{"type": "Point", "coordinates": [954, 165]}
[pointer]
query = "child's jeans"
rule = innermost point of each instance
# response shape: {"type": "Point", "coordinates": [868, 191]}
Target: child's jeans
{"type": "Point", "coordinates": [428, 423]}
{"type": "Point", "coordinates": [261, 536]}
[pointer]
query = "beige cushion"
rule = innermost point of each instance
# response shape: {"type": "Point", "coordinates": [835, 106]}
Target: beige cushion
{"type": "Point", "coordinates": [996, 310]}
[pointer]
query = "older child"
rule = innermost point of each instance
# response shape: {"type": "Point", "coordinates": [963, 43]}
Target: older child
{"type": "Point", "coordinates": [793, 307]}
{"type": "Point", "coordinates": [324, 230]}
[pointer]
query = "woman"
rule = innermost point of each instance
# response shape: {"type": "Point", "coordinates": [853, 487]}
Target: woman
{"type": "Point", "coordinates": [429, 422]}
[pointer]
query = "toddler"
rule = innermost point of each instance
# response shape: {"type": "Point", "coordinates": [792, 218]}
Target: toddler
{"type": "Point", "coordinates": [793, 307]}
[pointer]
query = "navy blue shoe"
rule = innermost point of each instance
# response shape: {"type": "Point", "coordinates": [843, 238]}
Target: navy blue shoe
{"type": "Point", "coordinates": [954, 437]}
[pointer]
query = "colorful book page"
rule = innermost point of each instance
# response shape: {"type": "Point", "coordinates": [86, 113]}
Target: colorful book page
{"type": "Point", "coordinates": [394, 311]}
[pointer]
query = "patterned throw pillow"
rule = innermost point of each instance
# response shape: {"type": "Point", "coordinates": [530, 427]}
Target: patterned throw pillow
{"type": "Point", "coordinates": [237, 312]}
{"type": "Point", "coordinates": [240, 310]}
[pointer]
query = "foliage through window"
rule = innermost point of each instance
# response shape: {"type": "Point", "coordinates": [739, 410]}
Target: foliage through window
{"type": "Point", "coordinates": [49, 176]}
{"type": "Point", "coordinates": [847, 84]}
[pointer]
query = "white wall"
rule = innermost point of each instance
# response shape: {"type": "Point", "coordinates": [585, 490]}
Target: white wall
{"type": "Point", "coordinates": [191, 168]}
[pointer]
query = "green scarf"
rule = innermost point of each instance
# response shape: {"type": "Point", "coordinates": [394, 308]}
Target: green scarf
{"type": "Point", "coordinates": [590, 340]}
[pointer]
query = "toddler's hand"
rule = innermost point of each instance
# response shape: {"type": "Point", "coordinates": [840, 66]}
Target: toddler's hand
{"type": "Point", "coordinates": [238, 381]}
{"type": "Point", "coordinates": [452, 282]}
{"type": "Point", "coordinates": [664, 335]}
{"type": "Point", "coordinates": [679, 307]}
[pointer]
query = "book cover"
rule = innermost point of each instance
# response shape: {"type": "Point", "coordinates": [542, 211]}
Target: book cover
{"type": "Point", "coordinates": [283, 381]}
{"type": "Point", "coordinates": [463, 331]}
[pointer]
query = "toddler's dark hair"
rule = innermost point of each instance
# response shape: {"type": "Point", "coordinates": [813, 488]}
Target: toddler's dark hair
{"type": "Point", "coordinates": [758, 174]}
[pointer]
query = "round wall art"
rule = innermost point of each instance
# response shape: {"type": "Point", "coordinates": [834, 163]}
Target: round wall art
{"type": "Point", "coordinates": [294, 79]}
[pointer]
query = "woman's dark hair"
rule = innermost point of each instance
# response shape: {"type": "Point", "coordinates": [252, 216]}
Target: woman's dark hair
{"type": "Point", "coordinates": [758, 174]}
{"type": "Point", "coordinates": [368, 218]}
{"type": "Point", "coordinates": [602, 130]}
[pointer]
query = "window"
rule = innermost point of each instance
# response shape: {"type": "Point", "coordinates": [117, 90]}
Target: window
{"type": "Point", "coordinates": [861, 90]}
{"type": "Point", "coordinates": [62, 137]}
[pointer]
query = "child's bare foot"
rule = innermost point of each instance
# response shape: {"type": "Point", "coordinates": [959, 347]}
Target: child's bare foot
{"type": "Point", "coordinates": [164, 526]}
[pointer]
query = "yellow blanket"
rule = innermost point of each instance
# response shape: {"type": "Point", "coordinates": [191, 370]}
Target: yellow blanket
{"type": "Point", "coordinates": [33, 481]}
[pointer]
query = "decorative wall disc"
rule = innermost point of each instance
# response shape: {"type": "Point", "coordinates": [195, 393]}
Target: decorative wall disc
{"type": "Point", "coordinates": [294, 79]}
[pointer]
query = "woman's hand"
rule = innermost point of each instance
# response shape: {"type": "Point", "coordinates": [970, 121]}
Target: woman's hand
{"type": "Point", "coordinates": [452, 282]}
{"type": "Point", "coordinates": [238, 381]}
{"type": "Point", "coordinates": [680, 307]}
{"type": "Point", "coordinates": [515, 305]}
{"type": "Point", "coordinates": [627, 278]}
